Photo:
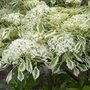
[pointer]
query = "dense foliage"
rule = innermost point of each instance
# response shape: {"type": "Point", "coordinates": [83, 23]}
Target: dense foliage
{"type": "Point", "coordinates": [50, 33]}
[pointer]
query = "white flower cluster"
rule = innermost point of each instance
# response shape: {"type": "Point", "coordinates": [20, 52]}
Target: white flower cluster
{"type": "Point", "coordinates": [83, 19]}
{"type": "Point", "coordinates": [39, 9]}
{"type": "Point", "coordinates": [21, 46]}
{"type": "Point", "coordinates": [61, 44]}
{"type": "Point", "coordinates": [77, 21]}
{"type": "Point", "coordinates": [34, 16]}
{"type": "Point", "coordinates": [16, 49]}
{"type": "Point", "coordinates": [13, 18]}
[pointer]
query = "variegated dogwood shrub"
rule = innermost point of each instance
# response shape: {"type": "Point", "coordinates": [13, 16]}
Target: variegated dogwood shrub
{"type": "Point", "coordinates": [33, 34]}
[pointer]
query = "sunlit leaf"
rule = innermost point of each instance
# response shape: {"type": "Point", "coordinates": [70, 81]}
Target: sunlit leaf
{"type": "Point", "coordinates": [76, 71]}
{"type": "Point", "coordinates": [54, 62]}
{"type": "Point", "coordinates": [20, 76]}
{"type": "Point", "coordinates": [70, 64]}
{"type": "Point", "coordinates": [29, 66]}
{"type": "Point", "coordinates": [9, 77]}
{"type": "Point", "coordinates": [77, 57]}
{"type": "Point", "coordinates": [22, 66]}
{"type": "Point", "coordinates": [82, 67]}
{"type": "Point", "coordinates": [35, 73]}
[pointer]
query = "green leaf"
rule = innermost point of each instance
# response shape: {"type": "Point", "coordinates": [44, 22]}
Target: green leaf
{"type": "Point", "coordinates": [77, 57]}
{"type": "Point", "coordinates": [29, 66]}
{"type": "Point", "coordinates": [20, 33]}
{"type": "Point", "coordinates": [54, 62]}
{"type": "Point", "coordinates": [22, 66]}
{"type": "Point", "coordinates": [78, 46]}
{"type": "Point", "coordinates": [50, 33]}
{"type": "Point", "coordinates": [0, 65]}
{"type": "Point", "coordinates": [53, 1]}
{"type": "Point", "coordinates": [1, 44]}
{"type": "Point", "coordinates": [5, 34]}
{"type": "Point", "coordinates": [82, 67]}
{"type": "Point", "coordinates": [9, 77]}
{"type": "Point", "coordinates": [20, 76]}
{"type": "Point", "coordinates": [35, 73]}
{"type": "Point", "coordinates": [41, 27]}
{"type": "Point", "coordinates": [56, 69]}
{"type": "Point", "coordinates": [76, 71]}
{"type": "Point", "coordinates": [70, 64]}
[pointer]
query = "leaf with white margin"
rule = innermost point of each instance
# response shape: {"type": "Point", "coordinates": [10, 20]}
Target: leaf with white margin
{"type": "Point", "coordinates": [54, 62]}
{"type": "Point", "coordinates": [70, 64]}
{"type": "Point", "coordinates": [36, 73]}
{"type": "Point", "coordinates": [82, 67]}
{"type": "Point", "coordinates": [22, 66]}
{"type": "Point", "coordinates": [20, 76]}
{"type": "Point", "coordinates": [29, 66]}
{"type": "Point", "coordinates": [53, 1]}
{"type": "Point", "coordinates": [9, 77]}
{"type": "Point", "coordinates": [76, 71]}
{"type": "Point", "coordinates": [77, 57]}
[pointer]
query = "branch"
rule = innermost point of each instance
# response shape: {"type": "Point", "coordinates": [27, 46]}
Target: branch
{"type": "Point", "coordinates": [69, 72]}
